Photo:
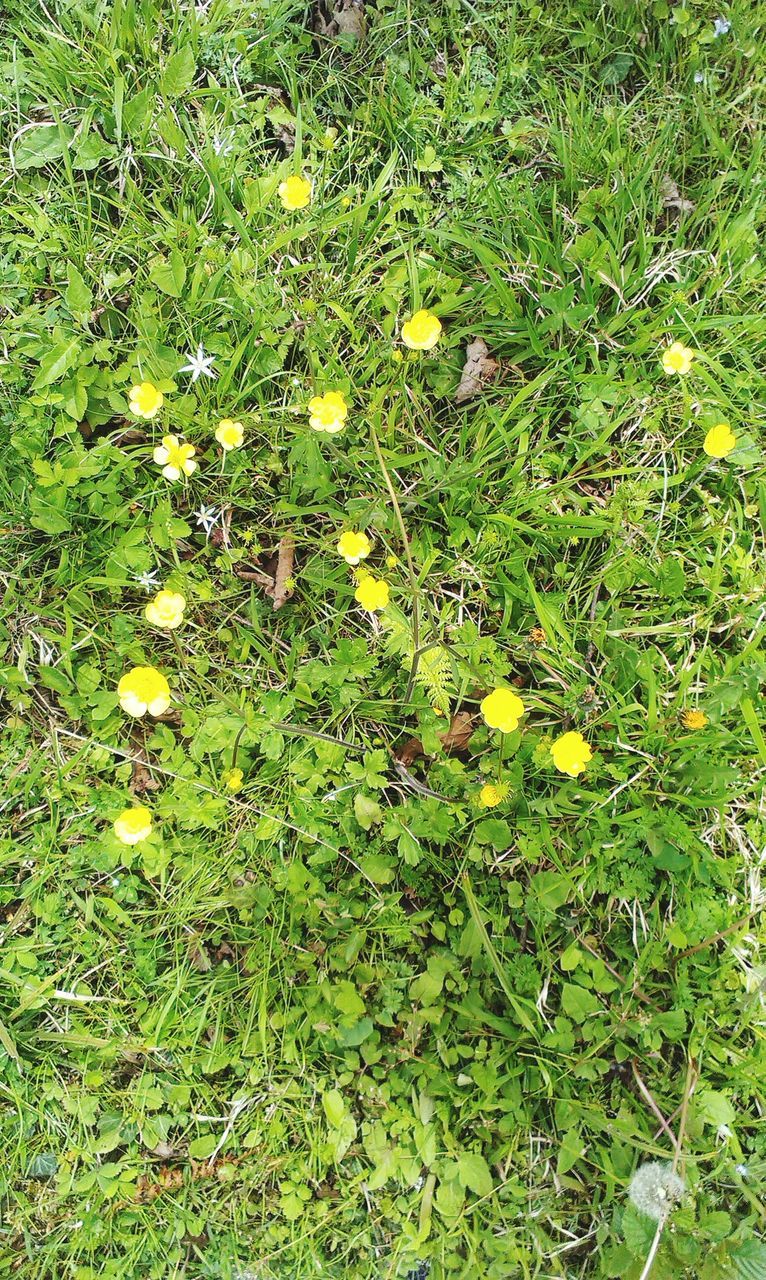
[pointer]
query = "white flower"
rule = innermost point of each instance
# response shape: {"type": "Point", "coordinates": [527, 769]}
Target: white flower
{"type": "Point", "coordinates": [148, 580]}
{"type": "Point", "coordinates": [721, 27]}
{"type": "Point", "coordinates": [208, 518]}
{"type": "Point", "coordinates": [221, 146]}
{"type": "Point", "coordinates": [199, 364]}
{"type": "Point", "coordinates": [655, 1188]}
{"type": "Point", "coordinates": [699, 77]}
{"type": "Point", "coordinates": [742, 1170]}
{"type": "Point", "coordinates": [723, 1133]}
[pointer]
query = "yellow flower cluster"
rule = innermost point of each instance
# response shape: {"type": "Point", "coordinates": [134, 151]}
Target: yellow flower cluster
{"type": "Point", "coordinates": [502, 709]}
{"type": "Point", "coordinates": [720, 440]}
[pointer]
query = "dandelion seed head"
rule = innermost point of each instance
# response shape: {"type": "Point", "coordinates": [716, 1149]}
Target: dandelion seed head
{"type": "Point", "coordinates": [655, 1188]}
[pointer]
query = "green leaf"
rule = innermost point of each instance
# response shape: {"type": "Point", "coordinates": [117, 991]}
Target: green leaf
{"type": "Point", "coordinates": [169, 274]}
{"type": "Point", "coordinates": [91, 151]}
{"type": "Point", "coordinates": [334, 1107]}
{"type": "Point", "coordinates": [474, 1173]}
{"type": "Point", "coordinates": [77, 295]}
{"type": "Point", "coordinates": [135, 112]}
{"type": "Point", "coordinates": [41, 144]}
{"type": "Point", "coordinates": [179, 73]}
{"type": "Point", "coordinates": [571, 1150]}
{"type": "Point", "coordinates": [201, 1148]}
{"type": "Point", "coordinates": [748, 1260]}
{"type": "Point", "coordinates": [577, 1003]}
{"type": "Point", "coordinates": [57, 362]}
{"type": "Point", "coordinates": [366, 811]}
{"type": "Point", "coordinates": [551, 888]}
{"type": "Point", "coordinates": [377, 868]}
{"type": "Point", "coordinates": [714, 1108]}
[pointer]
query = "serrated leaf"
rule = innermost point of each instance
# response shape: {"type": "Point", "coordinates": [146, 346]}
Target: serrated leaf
{"type": "Point", "coordinates": [56, 363]}
{"type": "Point", "coordinates": [135, 112]}
{"type": "Point", "coordinates": [748, 1261]}
{"type": "Point", "coordinates": [179, 73]}
{"type": "Point", "coordinates": [91, 151]}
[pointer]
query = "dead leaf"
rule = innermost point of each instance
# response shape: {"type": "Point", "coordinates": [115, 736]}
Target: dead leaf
{"type": "Point", "coordinates": [198, 956]}
{"type": "Point", "coordinates": [479, 368]}
{"type": "Point", "coordinates": [335, 18]}
{"type": "Point", "coordinates": [275, 573]}
{"type": "Point", "coordinates": [142, 779]}
{"type": "Point", "coordinates": [672, 199]}
{"type": "Point", "coordinates": [455, 738]}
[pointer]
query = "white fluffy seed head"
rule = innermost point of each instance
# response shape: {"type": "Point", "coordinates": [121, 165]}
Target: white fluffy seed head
{"type": "Point", "coordinates": [655, 1189]}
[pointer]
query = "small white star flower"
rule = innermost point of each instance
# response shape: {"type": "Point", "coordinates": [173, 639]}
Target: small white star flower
{"type": "Point", "coordinates": [198, 364]}
{"type": "Point", "coordinates": [221, 145]}
{"type": "Point", "coordinates": [721, 27]}
{"type": "Point", "coordinates": [148, 580]}
{"type": "Point", "coordinates": [699, 77]}
{"type": "Point", "coordinates": [208, 518]}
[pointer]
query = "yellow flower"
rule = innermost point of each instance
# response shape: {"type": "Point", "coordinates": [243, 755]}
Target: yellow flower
{"type": "Point", "coordinates": [144, 689]}
{"type": "Point", "coordinates": [502, 710]}
{"type": "Point", "coordinates": [571, 753]}
{"type": "Point", "coordinates": [719, 441]}
{"type": "Point", "coordinates": [328, 412]}
{"type": "Point", "coordinates": [229, 434]}
{"type": "Point", "coordinates": [354, 546]}
{"type": "Point", "coordinates": [492, 794]}
{"type": "Point", "coordinates": [397, 356]}
{"type": "Point", "coordinates": [693, 719]}
{"type": "Point", "coordinates": [391, 562]}
{"type": "Point", "coordinates": [422, 331]}
{"type": "Point", "coordinates": [133, 825]}
{"type": "Point", "coordinates": [295, 192]}
{"type": "Point", "coordinates": [234, 779]}
{"type": "Point", "coordinates": [175, 457]}
{"type": "Point", "coordinates": [145, 400]}
{"type": "Point", "coordinates": [166, 610]}
{"type": "Point", "coordinates": [372, 593]}
{"type": "Point", "coordinates": [677, 358]}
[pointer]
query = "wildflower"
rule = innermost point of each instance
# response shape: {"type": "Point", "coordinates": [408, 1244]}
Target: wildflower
{"type": "Point", "coordinates": [571, 753]}
{"type": "Point", "coordinates": [421, 332]}
{"type": "Point", "coordinates": [176, 457]}
{"type": "Point", "coordinates": [295, 192]}
{"type": "Point", "coordinates": [392, 562]}
{"type": "Point", "coordinates": [492, 794]}
{"type": "Point", "coordinates": [699, 77]}
{"type": "Point", "coordinates": [145, 400]}
{"type": "Point", "coordinates": [655, 1188]}
{"type": "Point", "coordinates": [346, 202]}
{"type": "Point", "coordinates": [719, 441]}
{"type": "Point", "coordinates": [229, 434]}
{"type": "Point", "coordinates": [354, 547]}
{"type": "Point", "coordinates": [234, 779]}
{"type": "Point", "coordinates": [721, 27]}
{"type": "Point", "coordinates": [199, 364]}
{"type": "Point", "coordinates": [133, 825]}
{"type": "Point", "coordinates": [208, 518]}
{"type": "Point", "coordinates": [148, 580]}
{"type": "Point", "coordinates": [742, 1170]}
{"type": "Point", "coordinates": [693, 719]}
{"type": "Point", "coordinates": [144, 689]}
{"type": "Point", "coordinates": [502, 710]}
{"type": "Point", "coordinates": [166, 610]}
{"type": "Point", "coordinates": [220, 145]}
{"type": "Point", "coordinates": [372, 593]}
{"type": "Point", "coordinates": [677, 358]}
{"type": "Point", "coordinates": [328, 412]}
{"type": "Point", "coordinates": [397, 355]}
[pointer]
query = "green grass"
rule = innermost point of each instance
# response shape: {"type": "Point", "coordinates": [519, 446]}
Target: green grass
{"type": "Point", "coordinates": [347, 1021]}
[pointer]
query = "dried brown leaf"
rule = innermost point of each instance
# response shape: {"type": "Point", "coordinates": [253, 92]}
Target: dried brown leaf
{"type": "Point", "coordinates": [335, 18]}
{"type": "Point", "coordinates": [274, 574]}
{"type": "Point", "coordinates": [479, 368]}
{"type": "Point", "coordinates": [455, 738]}
{"type": "Point", "coordinates": [671, 197]}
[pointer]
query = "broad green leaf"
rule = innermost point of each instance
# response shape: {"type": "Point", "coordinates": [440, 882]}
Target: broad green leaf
{"type": "Point", "coordinates": [334, 1107]}
{"type": "Point", "coordinates": [77, 295]}
{"type": "Point", "coordinates": [577, 1003]}
{"type": "Point", "coordinates": [474, 1173]}
{"type": "Point", "coordinates": [40, 145]}
{"type": "Point", "coordinates": [169, 274]}
{"type": "Point", "coordinates": [179, 73]}
{"type": "Point", "coordinates": [57, 362]}
{"type": "Point", "coordinates": [91, 151]}
{"type": "Point", "coordinates": [201, 1148]}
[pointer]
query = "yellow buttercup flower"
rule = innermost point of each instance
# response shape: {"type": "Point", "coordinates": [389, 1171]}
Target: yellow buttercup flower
{"type": "Point", "coordinates": [493, 794]}
{"type": "Point", "coordinates": [166, 610]}
{"type": "Point", "coordinates": [133, 825]}
{"type": "Point", "coordinates": [502, 710]}
{"type": "Point", "coordinates": [354, 547]}
{"type": "Point", "coordinates": [677, 358]}
{"type": "Point", "coordinates": [144, 689]}
{"type": "Point", "coordinates": [422, 331]}
{"type": "Point", "coordinates": [693, 719]}
{"type": "Point", "coordinates": [571, 753]}
{"type": "Point", "coordinates": [176, 457]}
{"type": "Point", "coordinates": [372, 593]}
{"type": "Point", "coordinates": [234, 779]}
{"type": "Point", "coordinates": [229, 434]}
{"type": "Point", "coordinates": [328, 412]}
{"type": "Point", "coordinates": [719, 441]}
{"type": "Point", "coordinates": [145, 400]}
{"type": "Point", "coordinates": [295, 192]}
{"type": "Point", "coordinates": [392, 561]}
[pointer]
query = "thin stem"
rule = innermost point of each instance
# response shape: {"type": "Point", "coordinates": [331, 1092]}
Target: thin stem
{"type": "Point", "coordinates": [410, 566]}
